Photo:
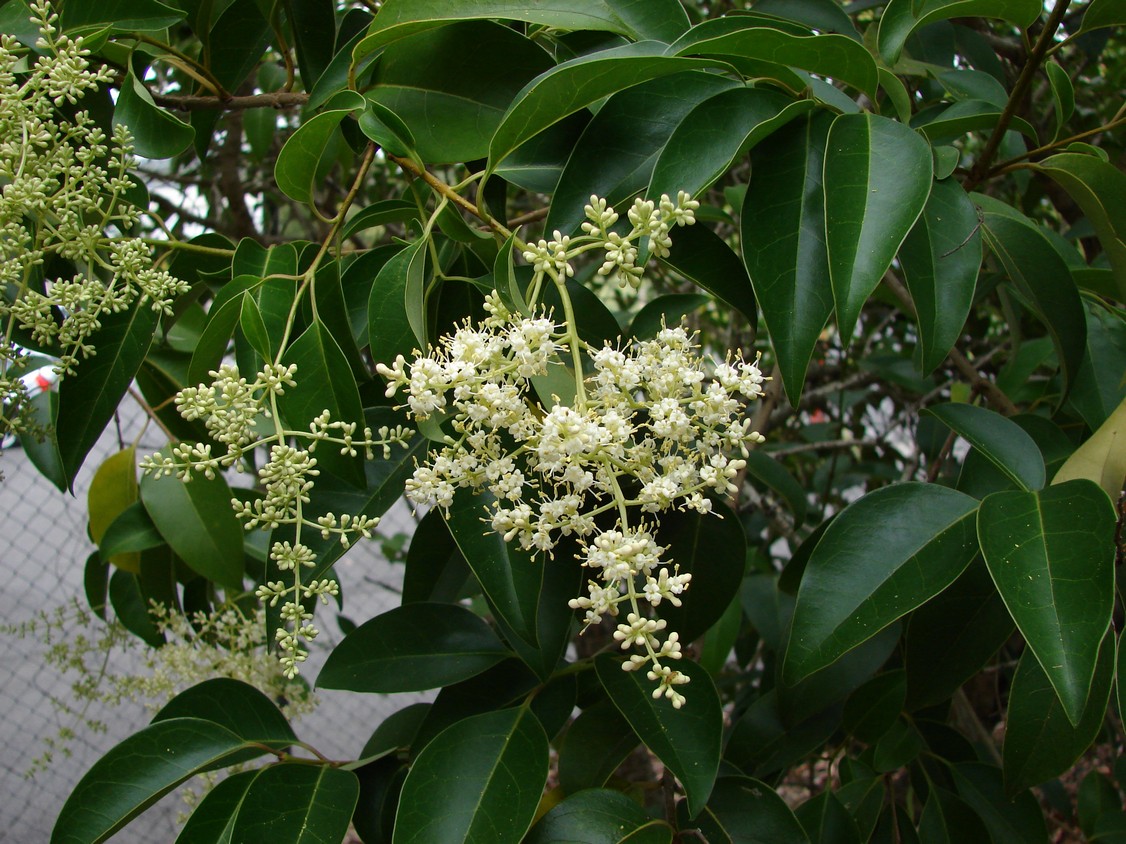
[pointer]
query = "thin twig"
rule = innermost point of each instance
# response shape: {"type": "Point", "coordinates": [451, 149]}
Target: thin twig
{"type": "Point", "coordinates": [193, 102]}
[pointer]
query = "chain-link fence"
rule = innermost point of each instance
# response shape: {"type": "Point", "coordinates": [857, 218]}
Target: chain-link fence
{"type": "Point", "coordinates": [43, 551]}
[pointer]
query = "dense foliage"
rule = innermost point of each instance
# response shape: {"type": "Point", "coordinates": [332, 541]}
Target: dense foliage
{"type": "Point", "coordinates": [774, 355]}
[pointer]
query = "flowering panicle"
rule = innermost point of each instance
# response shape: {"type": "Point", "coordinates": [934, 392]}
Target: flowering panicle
{"type": "Point", "coordinates": [650, 429]}
{"type": "Point", "coordinates": [63, 190]}
{"type": "Point", "coordinates": [233, 410]}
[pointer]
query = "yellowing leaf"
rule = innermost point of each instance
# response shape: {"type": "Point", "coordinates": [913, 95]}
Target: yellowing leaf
{"type": "Point", "coordinates": [1102, 458]}
{"type": "Point", "coordinates": [114, 488]}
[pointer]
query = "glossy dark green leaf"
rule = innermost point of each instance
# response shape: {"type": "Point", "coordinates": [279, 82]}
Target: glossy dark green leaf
{"type": "Point", "coordinates": [1063, 96]}
{"type": "Point", "coordinates": [390, 332]}
{"type": "Point", "coordinates": [324, 382]}
{"type": "Point", "coordinates": [886, 554]}
{"type": "Point", "coordinates": [138, 772]}
{"type": "Point", "coordinates": [132, 530]}
{"type": "Point", "coordinates": [453, 71]}
{"type": "Point", "coordinates": [1097, 796]}
{"type": "Point", "coordinates": [156, 132]}
{"type": "Point", "coordinates": [491, 769]}
{"type": "Point", "coordinates": [599, 816]}
{"type": "Point", "coordinates": [953, 635]}
{"type": "Point", "coordinates": [296, 167]}
{"type": "Point", "coordinates": [1038, 271]}
{"type": "Point", "coordinates": [132, 608]}
{"type": "Point", "coordinates": [826, 821]}
{"type": "Point", "coordinates": [122, 15]}
{"type": "Point", "coordinates": [579, 82]}
{"type": "Point", "coordinates": [947, 819]}
{"type": "Point", "coordinates": [89, 397]}
{"type": "Point", "coordinates": [903, 17]}
{"type": "Point", "coordinates": [1009, 821]}
{"type": "Point", "coordinates": [669, 309]}
{"type": "Point", "coordinates": [966, 116]}
{"type": "Point", "coordinates": [380, 214]}
{"type": "Point", "coordinates": [686, 740]}
{"type": "Point", "coordinates": [216, 336]}
{"type": "Point", "coordinates": [594, 746]}
{"type": "Point", "coordinates": [743, 810]}
{"type": "Point", "coordinates": [412, 648]}
{"type": "Point", "coordinates": [509, 577]}
{"type": "Point", "coordinates": [714, 551]}
{"type": "Point", "coordinates": [43, 451]}
{"type": "Point", "coordinates": [1003, 442]}
{"type": "Point", "coordinates": [716, 133]}
{"type": "Point", "coordinates": [1099, 188]}
{"type": "Point", "coordinates": [435, 569]}
{"type": "Point", "coordinates": [822, 15]}
{"type": "Point", "coordinates": [615, 156]}
{"type": "Point", "coordinates": [771, 472]}
{"type": "Point", "coordinates": [940, 258]}
{"type": "Point", "coordinates": [196, 520]}
{"type": "Point", "coordinates": [397, 731]}
{"type": "Point", "coordinates": [877, 180]}
{"type": "Point", "coordinates": [782, 229]}
{"type": "Point", "coordinates": [214, 817]}
{"type": "Point", "coordinates": [700, 255]}
{"type": "Point", "coordinates": [95, 583]}
{"type": "Point", "coordinates": [836, 56]}
{"type": "Point", "coordinates": [873, 708]}
{"type": "Point", "coordinates": [297, 804]}
{"type": "Point", "coordinates": [314, 31]}
{"type": "Point", "coordinates": [1098, 388]}
{"type": "Point", "coordinates": [1051, 554]}
{"type": "Point", "coordinates": [763, 743]}
{"type": "Point", "coordinates": [234, 705]}
{"type": "Point", "coordinates": [1040, 742]}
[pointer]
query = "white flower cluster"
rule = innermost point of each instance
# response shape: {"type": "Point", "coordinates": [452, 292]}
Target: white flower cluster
{"type": "Point", "coordinates": [63, 186]}
{"type": "Point", "coordinates": [650, 430]}
{"type": "Point", "coordinates": [233, 410]}
{"type": "Point", "coordinates": [648, 219]}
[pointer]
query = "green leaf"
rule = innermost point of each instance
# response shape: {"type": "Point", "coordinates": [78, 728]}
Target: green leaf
{"type": "Point", "coordinates": [886, 554]}
{"type": "Point", "coordinates": [380, 214]}
{"type": "Point", "coordinates": [770, 471]}
{"type": "Point", "coordinates": [296, 167]}
{"type": "Point", "coordinates": [131, 607]}
{"type": "Point", "coordinates": [686, 740]}
{"type": "Point", "coordinates": [1063, 95]}
{"type": "Point", "coordinates": [43, 452]}
{"type": "Point", "coordinates": [390, 331]}
{"type": "Point", "coordinates": [492, 769]}
{"type": "Point", "coordinates": [88, 398]}
{"type": "Point", "coordinates": [235, 706]}
{"type": "Point", "coordinates": [599, 816]}
{"type": "Point", "coordinates": [1003, 442]}
{"type": "Point", "coordinates": [872, 709]}
{"type": "Point", "coordinates": [827, 821]}
{"type": "Point", "coordinates": [1097, 796]}
{"type": "Point", "coordinates": [1099, 387]}
{"type": "Point", "coordinates": [1051, 554]}
{"type": "Point", "coordinates": [314, 32]}
{"type": "Point", "coordinates": [823, 15]}
{"type": "Point", "coordinates": [714, 551]}
{"type": "Point", "coordinates": [452, 71]}
{"type": "Point", "coordinates": [903, 17]}
{"type": "Point", "coordinates": [138, 772]}
{"type": "Point", "coordinates": [1009, 821]}
{"type": "Point", "coordinates": [877, 180]}
{"type": "Point", "coordinates": [782, 229]}
{"type": "Point", "coordinates": [579, 82]}
{"type": "Point", "coordinates": [95, 583]}
{"type": "Point", "coordinates": [1040, 741]}
{"type": "Point", "coordinates": [1102, 459]}
{"type": "Point", "coordinates": [669, 309]}
{"type": "Point", "coordinates": [946, 819]}
{"type": "Point", "coordinates": [940, 258]}
{"type": "Point", "coordinates": [763, 742]}
{"type": "Point", "coordinates": [412, 648]}
{"type": "Point", "coordinates": [122, 15]}
{"type": "Point", "coordinates": [742, 809]}
{"type": "Point", "coordinates": [953, 635]}
{"type": "Point", "coordinates": [509, 577]}
{"type": "Point", "coordinates": [297, 804]}
{"type": "Point", "coordinates": [213, 819]}
{"type": "Point", "coordinates": [216, 337]}
{"type": "Point", "coordinates": [324, 382]}
{"type": "Point", "coordinates": [156, 132]}
{"type": "Point", "coordinates": [596, 743]}
{"type": "Point", "coordinates": [661, 19]}
{"type": "Point", "coordinates": [716, 133]}
{"type": "Point", "coordinates": [836, 56]}
{"type": "Point", "coordinates": [1038, 271]}
{"type": "Point", "coordinates": [1102, 13]}
{"type": "Point", "coordinates": [196, 520]}
{"type": "Point", "coordinates": [967, 116]}
{"type": "Point", "coordinates": [701, 256]}
{"type": "Point", "coordinates": [1099, 188]}
{"type": "Point", "coordinates": [614, 157]}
